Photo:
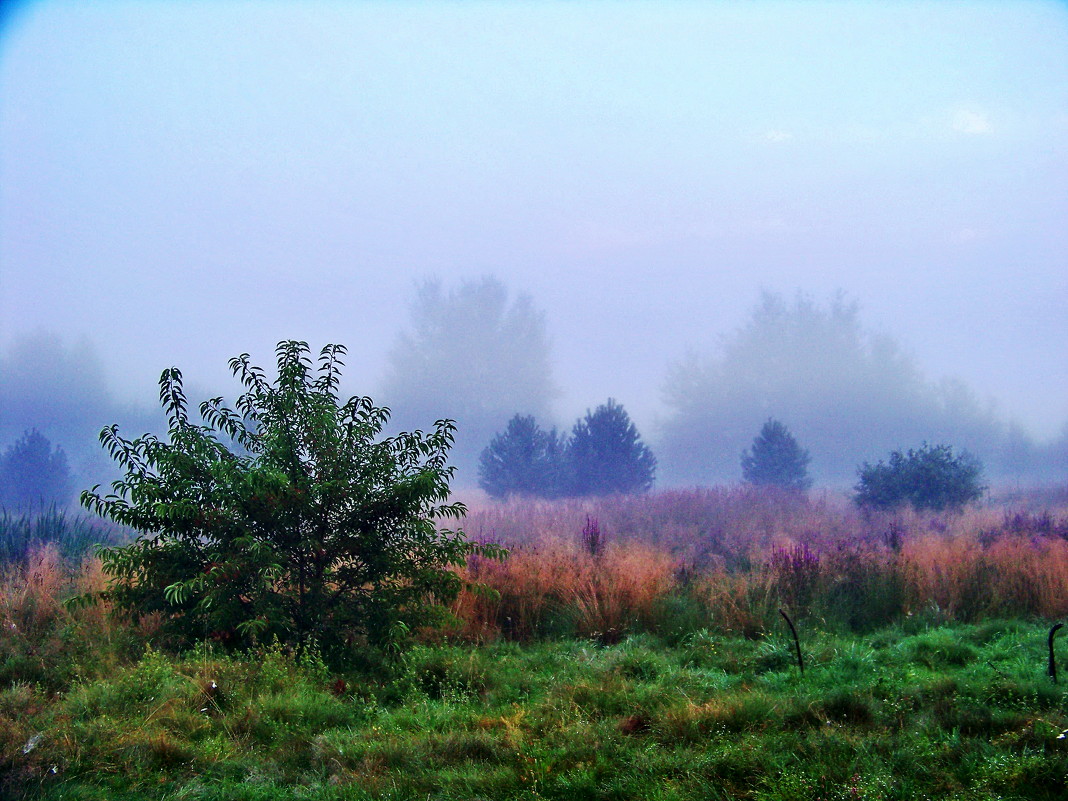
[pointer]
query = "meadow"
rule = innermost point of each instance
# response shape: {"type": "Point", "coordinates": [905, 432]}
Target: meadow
{"type": "Point", "coordinates": [634, 649]}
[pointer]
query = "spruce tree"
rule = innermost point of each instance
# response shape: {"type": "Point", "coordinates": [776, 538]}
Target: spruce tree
{"type": "Point", "coordinates": [522, 460]}
{"type": "Point", "coordinates": [606, 454]}
{"type": "Point", "coordinates": [775, 459]}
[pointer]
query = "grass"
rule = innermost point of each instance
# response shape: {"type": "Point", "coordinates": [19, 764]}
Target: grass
{"type": "Point", "coordinates": [907, 712]}
{"type": "Point", "coordinates": [731, 558]}
{"type": "Point", "coordinates": [654, 666]}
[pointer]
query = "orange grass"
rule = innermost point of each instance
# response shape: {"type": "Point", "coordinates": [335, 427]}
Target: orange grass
{"type": "Point", "coordinates": [40, 637]}
{"type": "Point", "coordinates": [558, 584]}
{"type": "Point", "coordinates": [726, 559]}
{"type": "Point", "coordinates": [741, 553]}
{"type": "Point", "coordinates": [966, 579]}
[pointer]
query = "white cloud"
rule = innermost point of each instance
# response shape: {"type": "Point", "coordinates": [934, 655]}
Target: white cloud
{"type": "Point", "coordinates": [962, 236]}
{"type": "Point", "coordinates": [778, 136]}
{"type": "Point", "coordinates": [971, 122]}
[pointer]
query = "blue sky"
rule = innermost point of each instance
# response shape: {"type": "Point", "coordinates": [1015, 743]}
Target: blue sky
{"type": "Point", "coordinates": [181, 182]}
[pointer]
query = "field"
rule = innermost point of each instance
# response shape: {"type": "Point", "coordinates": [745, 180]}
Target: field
{"type": "Point", "coordinates": [635, 650]}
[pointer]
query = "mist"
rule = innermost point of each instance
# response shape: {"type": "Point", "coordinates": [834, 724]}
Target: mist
{"type": "Point", "coordinates": [846, 217]}
{"type": "Point", "coordinates": [479, 354]}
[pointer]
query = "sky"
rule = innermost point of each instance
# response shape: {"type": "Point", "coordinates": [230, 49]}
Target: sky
{"type": "Point", "coordinates": [183, 182]}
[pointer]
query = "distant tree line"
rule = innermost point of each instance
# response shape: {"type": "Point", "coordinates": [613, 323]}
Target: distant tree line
{"type": "Point", "coordinates": [850, 392]}
{"type": "Point", "coordinates": [930, 477]}
{"type": "Point", "coordinates": [477, 353]}
{"type": "Point", "coordinates": [604, 454]}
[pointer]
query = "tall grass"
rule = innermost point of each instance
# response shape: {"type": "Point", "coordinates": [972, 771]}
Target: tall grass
{"type": "Point", "coordinates": [730, 558]}
{"type": "Point", "coordinates": [45, 642]}
{"type": "Point", "coordinates": [73, 534]}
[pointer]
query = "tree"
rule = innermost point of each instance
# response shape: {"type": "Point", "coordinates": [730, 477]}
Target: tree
{"type": "Point", "coordinates": [606, 454]}
{"type": "Point", "coordinates": [775, 459]}
{"type": "Point", "coordinates": [472, 354]}
{"type": "Point", "coordinates": [60, 389]}
{"type": "Point", "coordinates": [849, 389]}
{"type": "Point", "coordinates": [928, 478]}
{"type": "Point", "coordinates": [32, 473]}
{"type": "Point", "coordinates": [290, 517]}
{"type": "Point", "coordinates": [523, 460]}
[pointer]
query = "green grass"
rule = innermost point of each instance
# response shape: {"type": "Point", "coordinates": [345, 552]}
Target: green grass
{"type": "Point", "coordinates": [906, 712]}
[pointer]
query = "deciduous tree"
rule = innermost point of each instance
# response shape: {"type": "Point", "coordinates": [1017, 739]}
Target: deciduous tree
{"type": "Point", "coordinates": [928, 478]}
{"type": "Point", "coordinates": [473, 354]}
{"type": "Point", "coordinates": [290, 516]}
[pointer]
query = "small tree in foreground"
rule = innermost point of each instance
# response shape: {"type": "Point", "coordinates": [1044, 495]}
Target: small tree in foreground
{"type": "Point", "coordinates": [776, 459]}
{"type": "Point", "coordinates": [311, 527]}
{"type": "Point", "coordinates": [928, 478]}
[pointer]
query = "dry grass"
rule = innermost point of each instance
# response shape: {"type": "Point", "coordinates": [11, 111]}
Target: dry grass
{"type": "Point", "coordinates": [721, 558]}
{"type": "Point", "coordinates": [560, 585]}
{"type": "Point", "coordinates": [966, 577]}
{"type": "Point", "coordinates": [41, 638]}
{"type": "Point", "coordinates": [741, 553]}
{"type": "Point", "coordinates": [30, 593]}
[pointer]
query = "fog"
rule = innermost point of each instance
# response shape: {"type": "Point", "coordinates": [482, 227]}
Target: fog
{"type": "Point", "coordinates": [530, 208]}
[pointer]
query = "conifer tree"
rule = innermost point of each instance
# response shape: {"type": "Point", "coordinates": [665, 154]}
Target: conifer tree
{"type": "Point", "coordinates": [606, 454]}
{"type": "Point", "coordinates": [775, 459]}
{"type": "Point", "coordinates": [522, 460]}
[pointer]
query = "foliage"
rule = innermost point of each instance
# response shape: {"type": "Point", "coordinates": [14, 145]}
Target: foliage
{"type": "Point", "coordinates": [32, 473]}
{"type": "Point", "coordinates": [776, 459]}
{"type": "Point", "coordinates": [309, 527]}
{"type": "Point", "coordinates": [473, 354]}
{"type": "Point", "coordinates": [523, 460]}
{"type": "Point", "coordinates": [606, 454]}
{"type": "Point", "coordinates": [928, 478]}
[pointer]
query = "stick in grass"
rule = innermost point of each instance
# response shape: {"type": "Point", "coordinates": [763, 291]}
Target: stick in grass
{"type": "Point", "coordinates": [1052, 669]}
{"type": "Point", "coordinates": [797, 642]}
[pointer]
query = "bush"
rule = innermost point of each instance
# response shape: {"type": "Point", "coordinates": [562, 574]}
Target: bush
{"type": "Point", "coordinates": [305, 527]}
{"type": "Point", "coordinates": [776, 459]}
{"type": "Point", "coordinates": [928, 478]}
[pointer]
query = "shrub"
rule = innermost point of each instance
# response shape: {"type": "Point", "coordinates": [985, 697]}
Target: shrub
{"type": "Point", "coordinates": [928, 478]}
{"type": "Point", "coordinates": [776, 459]}
{"type": "Point", "coordinates": [308, 526]}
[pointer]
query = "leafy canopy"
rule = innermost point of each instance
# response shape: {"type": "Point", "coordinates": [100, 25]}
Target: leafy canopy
{"type": "Point", "coordinates": [475, 353]}
{"type": "Point", "coordinates": [289, 517]}
{"type": "Point", "coordinates": [928, 478]}
{"type": "Point", "coordinates": [775, 459]}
